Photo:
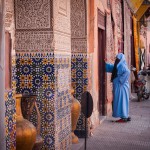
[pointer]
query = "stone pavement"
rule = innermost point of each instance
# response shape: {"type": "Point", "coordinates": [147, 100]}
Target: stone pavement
{"type": "Point", "coordinates": [134, 135]}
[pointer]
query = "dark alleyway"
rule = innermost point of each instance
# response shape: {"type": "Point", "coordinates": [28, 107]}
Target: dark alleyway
{"type": "Point", "coordinates": [134, 135]}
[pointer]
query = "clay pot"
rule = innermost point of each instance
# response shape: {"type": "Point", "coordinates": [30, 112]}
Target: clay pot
{"type": "Point", "coordinates": [25, 130]}
{"type": "Point", "coordinates": [75, 112]}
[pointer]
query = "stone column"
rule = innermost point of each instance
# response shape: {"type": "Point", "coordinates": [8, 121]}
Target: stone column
{"type": "Point", "coordinates": [43, 51]}
{"type": "Point", "coordinates": [79, 54]}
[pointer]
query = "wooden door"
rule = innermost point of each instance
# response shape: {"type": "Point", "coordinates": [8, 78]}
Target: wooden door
{"type": "Point", "coordinates": [101, 72]}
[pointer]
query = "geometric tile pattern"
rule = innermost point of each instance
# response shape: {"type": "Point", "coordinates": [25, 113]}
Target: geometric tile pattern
{"type": "Point", "coordinates": [63, 101]}
{"type": "Point", "coordinates": [10, 120]}
{"type": "Point", "coordinates": [80, 83]}
{"type": "Point", "coordinates": [48, 76]}
{"type": "Point", "coordinates": [35, 74]}
{"type": "Point", "coordinates": [10, 113]}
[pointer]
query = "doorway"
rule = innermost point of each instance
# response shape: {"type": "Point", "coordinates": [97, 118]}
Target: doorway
{"type": "Point", "coordinates": [101, 71]}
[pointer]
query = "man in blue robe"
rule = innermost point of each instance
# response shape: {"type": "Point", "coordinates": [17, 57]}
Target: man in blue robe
{"type": "Point", "coordinates": [119, 78]}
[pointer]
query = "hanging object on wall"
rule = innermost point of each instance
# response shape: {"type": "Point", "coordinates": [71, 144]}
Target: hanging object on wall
{"type": "Point", "coordinates": [87, 109]}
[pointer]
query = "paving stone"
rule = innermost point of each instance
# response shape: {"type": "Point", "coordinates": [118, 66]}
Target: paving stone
{"type": "Point", "coordinates": [133, 135]}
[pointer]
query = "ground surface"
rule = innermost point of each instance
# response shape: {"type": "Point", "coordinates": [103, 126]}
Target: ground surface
{"type": "Point", "coordinates": [134, 135]}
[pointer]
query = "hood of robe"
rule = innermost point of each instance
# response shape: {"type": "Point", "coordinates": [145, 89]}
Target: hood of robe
{"type": "Point", "coordinates": [122, 59]}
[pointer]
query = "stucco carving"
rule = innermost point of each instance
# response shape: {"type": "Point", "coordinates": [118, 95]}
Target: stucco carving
{"type": "Point", "coordinates": [34, 41]}
{"type": "Point", "coordinates": [32, 14]}
{"type": "Point", "coordinates": [78, 26]}
{"type": "Point", "coordinates": [79, 45]}
{"type": "Point", "coordinates": [78, 19]}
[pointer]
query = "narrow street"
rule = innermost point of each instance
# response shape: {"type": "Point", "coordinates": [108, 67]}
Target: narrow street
{"type": "Point", "coordinates": [134, 135]}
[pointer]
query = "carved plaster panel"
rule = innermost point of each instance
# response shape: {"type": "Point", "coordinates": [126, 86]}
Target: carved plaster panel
{"type": "Point", "coordinates": [32, 14]}
{"type": "Point", "coordinates": [79, 45]}
{"type": "Point", "coordinates": [78, 26]}
{"type": "Point", "coordinates": [78, 19]}
{"type": "Point", "coordinates": [34, 41]}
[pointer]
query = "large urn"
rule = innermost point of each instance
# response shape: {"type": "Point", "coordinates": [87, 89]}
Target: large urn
{"type": "Point", "coordinates": [75, 112]}
{"type": "Point", "coordinates": [25, 130]}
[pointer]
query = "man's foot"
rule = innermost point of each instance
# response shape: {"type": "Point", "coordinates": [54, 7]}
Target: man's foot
{"type": "Point", "coordinates": [122, 120]}
{"type": "Point", "coordinates": [129, 119]}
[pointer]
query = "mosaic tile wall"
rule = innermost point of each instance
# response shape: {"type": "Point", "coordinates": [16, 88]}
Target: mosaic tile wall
{"type": "Point", "coordinates": [49, 78]}
{"type": "Point", "coordinates": [10, 114]}
{"type": "Point", "coordinates": [35, 74]}
{"type": "Point", "coordinates": [63, 102]}
{"type": "Point", "coordinates": [10, 123]}
{"type": "Point", "coordinates": [80, 83]}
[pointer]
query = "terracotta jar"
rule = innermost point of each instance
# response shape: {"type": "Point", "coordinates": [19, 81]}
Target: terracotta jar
{"type": "Point", "coordinates": [75, 112]}
{"type": "Point", "coordinates": [25, 130]}
{"type": "Point", "coordinates": [28, 103]}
